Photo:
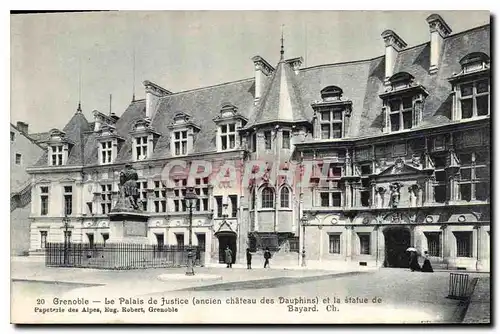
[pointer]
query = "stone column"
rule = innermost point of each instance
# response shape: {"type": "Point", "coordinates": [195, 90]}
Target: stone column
{"type": "Point", "coordinates": [348, 242]}
{"type": "Point", "coordinates": [445, 245]}
{"type": "Point", "coordinates": [321, 246]}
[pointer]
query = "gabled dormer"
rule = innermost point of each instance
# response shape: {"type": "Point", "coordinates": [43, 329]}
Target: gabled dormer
{"type": "Point", "coordinates": [403, 102]}
{"type": "Point", "coordinates": [58, 148]}
{"type": "Point", "coordinates": [182, 132]}
{"type": "Point", "coordinates": [109, 144]}
{"type": "Point", "coordinates": [229, 122]}
{"type": "Point", "coordinates": [144, 139]}
{"type": "Point", "coordinates": [101, 120]}
{"type": "Point", "coordinates": [471, 87]}
{"type": "Point", "coordinates": [331, 114]}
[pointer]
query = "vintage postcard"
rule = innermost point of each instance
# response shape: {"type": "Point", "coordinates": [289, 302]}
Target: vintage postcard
{"type": "Point", "coordinates": [250, 167]}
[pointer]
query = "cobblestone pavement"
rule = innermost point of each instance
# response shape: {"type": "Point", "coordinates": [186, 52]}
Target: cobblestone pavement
{"type": "Point", "coordinates": [479, 310]}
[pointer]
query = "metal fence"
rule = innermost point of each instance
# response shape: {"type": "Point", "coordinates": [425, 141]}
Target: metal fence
{"type": "Point", "coordinates": [459, 284]}
{"type": "Point", "coordinates": [120, 256]}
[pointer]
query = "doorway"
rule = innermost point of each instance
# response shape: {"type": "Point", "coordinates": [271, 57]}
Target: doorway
{"type": "Point", "coordinates": [226, 239]}
{"type": "Point", "coordinates": [397, 241]}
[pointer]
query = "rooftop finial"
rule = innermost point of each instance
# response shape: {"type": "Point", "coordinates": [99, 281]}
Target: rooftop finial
{"type": "Point", "coordinates": [79, 109]}
{"type": "Point", "coordinates": [282, 52]}
{"type": "Point", "coordinates": [133, 75]}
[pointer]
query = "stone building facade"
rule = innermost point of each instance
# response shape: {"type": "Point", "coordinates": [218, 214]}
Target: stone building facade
{"type": "Point", "coordinates": [352, 162]}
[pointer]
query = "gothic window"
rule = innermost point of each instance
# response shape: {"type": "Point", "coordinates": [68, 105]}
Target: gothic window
{"type": "Point", "coordinates": [267, 198]}
{"type": "Point", "coordinates": [285, 197]}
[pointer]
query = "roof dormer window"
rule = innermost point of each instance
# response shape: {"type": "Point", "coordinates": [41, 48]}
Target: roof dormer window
{"type": "Point", "coordinates": [144, 140]}
{"type": "Point", "coordinates": [109, 143]}
{"type": "Point", "coordinates": [475, 61]}
{"type": "Point", "coordinates": [228, 122]}
{"type": "Point", "coordinates": [58, 148]}
{"type": "Point", "coordinates": [56, 155]}
{"type": "Point", "coordinates": [331, 93]}
{"type": "Point", "coordinates": [332, 114]}
{"type": "Point", "coordinates": [180, 142]}
{"type": "Point", "coordinates": [182, 134]}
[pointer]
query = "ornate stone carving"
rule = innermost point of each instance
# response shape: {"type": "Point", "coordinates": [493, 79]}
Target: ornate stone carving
{"type": "Point", "coordinates": [395, 194]}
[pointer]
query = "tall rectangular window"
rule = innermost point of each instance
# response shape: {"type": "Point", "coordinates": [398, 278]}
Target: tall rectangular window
{"type": "Point", "coordinates": [433, 243]}
{"type": "Point", "coordinates": [474, 181]}
{"type": "Point", "coordinates": [254, 142]}
{"type": "Point", "coordinates": [475, 99]}
{"type": "Point", "coordinates": [286, 139]}
{"type": "Point", "coordinates": [464, 244]}
{"type": "Point", "coordinates": [331, 123]}
{"type": "Point", "coordinates": [334, 244]}
{"type": "Point", "coordinates": [180, 142]}
{"type": "Point", "coordinates": [401, 113]}
{"type": "Point", "coordinates": [160, 197]}
{"type": "Point", "coordinates": [44, 200]}
{"type": "Point", "coordinates": [201, 190]}
{"type": "Point", "coordinates": [179, 195]}
{"type": "Point", "coordinates": [12, 136]}
{"type": "Point", "coordinates": [218, 201]}
{"type": "Point", "coordinates": [18, 158]}
{"type": "Point", "coordinates": [364, 243]}
{"type": "Point", "coordinates": [143, 194]}
{"type": "Point", "coordinates": [43, 239]}
{"type": "Point", "coordinates": [141, 148]}
{"type": "Point", "coordinates": [180, 239]}
{"type": "Point", "coordinates": [68, 200]}
{"type": "Point", "coordinates": [106, 152]}
{"type": "Point", "coordinates": [56, 155]}
{"type": "Point", "coordinates": [267, 140]}
{"type": "Point", "coordinates": [234, 205]}
{"type": "Point", "coordinates": [440, 184]}
{"type": "Point", "coordinates": [106, 200]}
{"type": "Point", "coordinates": [228, 136]}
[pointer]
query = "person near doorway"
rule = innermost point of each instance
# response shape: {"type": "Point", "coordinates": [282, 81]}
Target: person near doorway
{"type": "Point", "coordinates": [198, 256]}
{"type": "Point", "coordinates": [267, 256]}
{"type": "Point", "coordinates": [249, 259]}
{"type": "Point", "coordinates": [427, 267]}
{"type": "Point", "coordinates": [229, 257]}
{"type": "Point", "coordinates": [414, 266]}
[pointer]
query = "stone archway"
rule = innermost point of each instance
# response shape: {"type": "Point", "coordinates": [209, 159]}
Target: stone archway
{"type": "Point", "coordinates": [397, 240]}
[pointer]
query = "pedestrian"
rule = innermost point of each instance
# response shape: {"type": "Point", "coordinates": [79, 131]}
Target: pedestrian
{"type": "Point", "coordinates": [414, 266]}
{"type": "Point", "coordinates": [427, 267]}
{"type": "Point", "coordinates": [249, 259]}
{"type": "Point", "coordinates": [267, 256]}
{"type": "Point", "coordinates": [198, 256]}
{"type": "Point", "coordinates": [229, 257]}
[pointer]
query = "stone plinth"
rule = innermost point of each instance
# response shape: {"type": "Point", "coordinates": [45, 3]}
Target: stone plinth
{"type": "Point", "coordinates": [128, 227]}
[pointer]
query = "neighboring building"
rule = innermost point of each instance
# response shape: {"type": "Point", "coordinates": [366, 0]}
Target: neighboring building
{"type": "Point", "coordinates": [391, 152]}
{"type": "Point", "coordinates": [24, 152]}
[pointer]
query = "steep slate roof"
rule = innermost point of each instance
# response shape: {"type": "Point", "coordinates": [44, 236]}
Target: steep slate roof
{"type": "Point", "coordinates": [281, 100]}
{"type": "Point", "coordinates": [288, 97]}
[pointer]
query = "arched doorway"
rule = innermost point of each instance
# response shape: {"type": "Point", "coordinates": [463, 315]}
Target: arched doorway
{"type": "Point", "coordinates": [226, 239]}
{"type": "Point", "coordinates": [397, 240]}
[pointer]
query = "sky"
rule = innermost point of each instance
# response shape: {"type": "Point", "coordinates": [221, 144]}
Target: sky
{"type": "Point", "coordinates": [57, 58]}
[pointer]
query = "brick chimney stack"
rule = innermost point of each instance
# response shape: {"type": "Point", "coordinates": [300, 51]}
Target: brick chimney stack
{"type": "Point", "coordinates": [393, 44]}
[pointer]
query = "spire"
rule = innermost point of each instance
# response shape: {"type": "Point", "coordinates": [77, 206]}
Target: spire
{"type": "Point", "coordinates": [282, 51]}
{"type": "Point", "coordinates": [133, 75]}
{"type": "Point", "coordinates": [79, 109]}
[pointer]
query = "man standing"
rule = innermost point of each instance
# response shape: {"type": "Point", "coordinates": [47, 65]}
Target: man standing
{"type": "Point", "coordinates": [249, 259]}
{"type": "Point", "coordinates": [229, 257]}
{"type": "Point", "coordinates": [267, 256]}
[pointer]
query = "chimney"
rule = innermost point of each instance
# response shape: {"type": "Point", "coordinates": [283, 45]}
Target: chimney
{"type": "Point", "coordinates": [295, 63]}
{"type": "Point", "coordinates": [439, 30]}
{"type": "Point", "coordinates": [23, 127]}
{"type": "Point", "coordinates": [262, 70]}
{"type": "Point", "coordinates": [393, 44]}
{"type": "Point", "coordinates": [153, 95]}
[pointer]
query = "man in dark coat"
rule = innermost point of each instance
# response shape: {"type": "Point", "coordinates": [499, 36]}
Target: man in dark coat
{"type": "Point", "coordinates": [267, 256]}
{"type": "Point", "coordinates": [228, 257]}
{"type": "Point", "coordinates": [414, 266]}
{"type": "Point", "coordinates": [249, 259]}
{"type": "Point", "coordinates": [427, 267]}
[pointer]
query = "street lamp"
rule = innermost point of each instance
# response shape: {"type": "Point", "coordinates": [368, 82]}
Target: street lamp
{"type": "Point", "coordinates": [190, 200]}
{"type": "Point", "coordinates": [304, 220]}
{"type": "Point", "coordinates": [65, 222]}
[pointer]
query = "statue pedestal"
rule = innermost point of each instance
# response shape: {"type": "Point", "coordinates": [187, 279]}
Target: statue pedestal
{"type": "Point", "coordinates": [128, 227]}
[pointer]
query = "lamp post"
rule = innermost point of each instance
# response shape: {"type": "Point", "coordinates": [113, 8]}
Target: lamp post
{"type": "Point", "coordinates": [190, 199]}
{"type": "Point", "coordinates": [304, 220]}
{"type": "Point", "coordinates": [65, 222]}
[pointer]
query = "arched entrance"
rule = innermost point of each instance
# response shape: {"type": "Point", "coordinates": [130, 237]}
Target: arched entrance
{"type": "Point", "coordinates": [226, 239]}
{"type": "Point", "coordinates": [397, 240]}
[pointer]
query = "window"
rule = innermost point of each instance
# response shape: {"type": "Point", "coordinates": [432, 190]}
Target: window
{"type": "Point", "coordinates": [180, 142]}
{"type": "Point", "coordinates": [285, 197]}
{"type": "Point", "coordinates": [440, 185]}
{"type": "Point", "coordinates": [254, 142]}
{"type": "Point", "coordinates": [143, 195]}
{"type": "Point", "coordinates": [334, 244]}
{"type": "Point", "coordinates": [90, 237]}
{"type": "Point", "coordinates": [106, 198]}
{"type": "Point", "coordinates": [334, 171]}
{"type": "Point", "coordinates": [234, 205]}
{"type": "Point", "coordinates": [252, 199]}
{"type": "Point", "coordinates": [56, 155]}
{"type": "Point", "coordinates": [44, 200]}
{"type": "Point", "coordinates": [474, 181]}
{"type": "Point", "coordinates": [12, 136]}
{"type": "Point", "coordinates": [464, 244]}
{"type": "Point", "coordinates": [201, 241]}
{"type": "Point", "coordinates": [365, 198]}
{"type": "Point", "coordinates": [43, 239]}
{"type": "Point", "coordinates": [141, 148]}
{"type": "Point", "coordinates": [364, 243]}
{"type": "Point", "coordinates": [366, 169]}
{"type": "Point", "coordinates": [18, 159]}
{"type": "Point", "coordinates": [433, 243]}
{"type": "Point", "coordinates": [331, 123]}
{"type": "Point", "coordinates": [475, 99]}
{"type": "Point", "coordinates": [228, 136]}
{"type": "Point", "coordinates": [67, 236]}
{"type": "Point", "coordinates": [267, 198]}
{"type": "Point", "coordinates": [105, 237]}
{"type": "Point", "coordinates": [68, 200]}
{"type": "Point", "coordinates": [267, 140]}
{"type": "Point", "coordinates": [401, 111]}
{"type": "Point", "coordinates": [218, 200]}
{"type": "Point", "coordinates": [89, 208]}
{"type": "Point", "coordinates": [330, 199]}
{"type": "Point", "coordinates": [286, 139]}
{"type": "Point", "coordinates": [106, 152]}
{"type": "Point", "coordinates": [180, 239]}
{"type": "Point", "coordinates": [201, 190]}
{"type": "Point", "coordinates": [179, 194]}
{"type": "Point", "coordinates": [160, 196]}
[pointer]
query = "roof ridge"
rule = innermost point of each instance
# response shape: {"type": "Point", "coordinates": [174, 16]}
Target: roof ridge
{"type": "Point", "coordinates": [342, 63]}
{"type": "Point", "coordinates": [207, 87]}
{"type": "Point", "coordinates": [468, 30]}
{"type": "Point", "coordinates": [27, 136]}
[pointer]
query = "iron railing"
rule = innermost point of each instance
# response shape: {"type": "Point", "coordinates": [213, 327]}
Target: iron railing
{"type": "Point", "coordinates": [120, 256]}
